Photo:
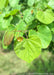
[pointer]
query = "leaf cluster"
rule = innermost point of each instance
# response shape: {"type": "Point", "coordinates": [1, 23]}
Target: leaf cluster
{"type": "Point", "coordinates": [30, 23]}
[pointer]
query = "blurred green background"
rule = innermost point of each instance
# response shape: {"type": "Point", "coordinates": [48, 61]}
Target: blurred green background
{"type": "Point", "coordinates": [10, 64]}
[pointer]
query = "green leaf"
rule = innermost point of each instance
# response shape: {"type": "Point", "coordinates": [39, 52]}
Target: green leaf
{"type": "Point", "coordinates": [45, 17]}
{"type": "Point", "coordinates": [13, 3]}
{"type": "Point", "coordinates": [1, 19]}
{"type": "Point", "coordinates": [11, 27]}
{"type": "Point", "coordinates": [6, 22]}
{"type": "Point", "coordinates": [41, 4]}
{"type": "Point", "coordinates": [21, 25]}
{"type": "Point", "coordinates": [32, 25]}
{"type": "Point", "coordinates": [29, 49]}
{"type": "Point", "coordinates": [18, 7]}
{"type": "Point", "coordinates": [51, 26]}
{"type": "Point", "coordinates": [52, 37]}
{"type": "Point", "coordinates": [28, 17]}
{"type": "Point", "coordinates": [30, 3]}
{"type": "Point", "coordinates": [51, 3]}
{"type": "Point", "coordinates": [2, 3]}
{"type": "Point", "coordinates": [15, 20]}
{"type": "Point", "coordinates": [12, 12]}
{"type": "Point", "coordinates": [1, 28]}
{"type": "Point", "coordinates": [45, 35]}
{"type": "Point", "coordinates": [53, 29]}
{"type": "Point", "coordinates": [32, 32]}
{"type": "Point", "coordinates": [6, 4]}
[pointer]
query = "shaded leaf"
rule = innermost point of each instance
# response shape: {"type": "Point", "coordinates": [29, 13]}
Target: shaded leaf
{"type": "Point", "coordinates": [28, 17]}
{"type": "Point", "coordinates": [21, 25]}
{"type": "Point", "coordinates": [6, 22]}
{"type": "Point", "coordinates": [8, 37]}
{"type": "Point", "coordinates": [45, 35]}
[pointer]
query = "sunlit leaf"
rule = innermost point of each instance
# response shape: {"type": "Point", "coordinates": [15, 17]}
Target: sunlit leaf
{"type": "Point", "coordinates": [45, 17]}
{"type": "Point", "coordinates": [2, 3]}
{"type": "Point", "coordinates": [29, 49]}
{"type": "Point", "coordinates": [13, 3]}
{"type": "Point", "coordinates": [30, 3]}
{"type": "Point", "coordinates": [51, 3]}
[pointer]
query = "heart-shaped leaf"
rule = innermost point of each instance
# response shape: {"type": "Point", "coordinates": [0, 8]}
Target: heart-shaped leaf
{"type": "Point", "coordinates": [45, 35]}
{"type": "Point", "coordinates": [29, 49]}
{"type": "Point", "coordinates": [45, 17]}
